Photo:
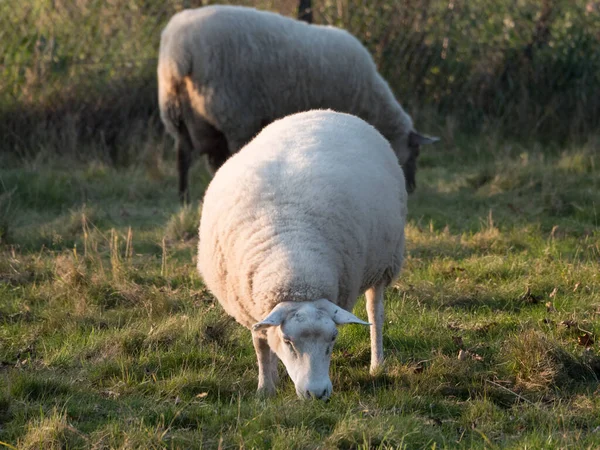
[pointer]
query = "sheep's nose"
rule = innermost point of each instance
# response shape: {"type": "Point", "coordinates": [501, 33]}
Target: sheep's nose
{"type": "Point", "coordinates": [319, 395]}
{"type": "Point", "coordinates": [314, 390]}
{"type": "Point", "coordinates": [324, 395]}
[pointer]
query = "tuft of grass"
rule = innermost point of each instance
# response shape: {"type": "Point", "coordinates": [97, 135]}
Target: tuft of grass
{"type": "Point", "coordinates": [52, 432]}
{"type": "Point", "coordinates": [183, 225]}
{"type": "Point", "coordinates": [538, 364]}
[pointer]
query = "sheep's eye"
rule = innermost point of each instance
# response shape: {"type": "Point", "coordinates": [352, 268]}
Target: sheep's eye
{"type": "Point", "coordinates": [290, 346]}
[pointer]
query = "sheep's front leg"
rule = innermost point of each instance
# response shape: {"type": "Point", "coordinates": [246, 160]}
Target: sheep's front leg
{"type": "Point", "coordinates": [374, 296]}
{"type": "Point", "coordinates": [267, 366]}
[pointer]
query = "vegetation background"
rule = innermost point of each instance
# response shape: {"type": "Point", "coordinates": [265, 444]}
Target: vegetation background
{"type": "Point", "coordinates": [108, 338]}
{"type": "Point", "coordinates": [76, 70]}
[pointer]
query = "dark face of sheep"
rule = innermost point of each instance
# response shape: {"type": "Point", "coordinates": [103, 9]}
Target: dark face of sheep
{"type": "Point", "coordinates": [410, 169]}
{"type": "Point", "coordinates": [415, 140]}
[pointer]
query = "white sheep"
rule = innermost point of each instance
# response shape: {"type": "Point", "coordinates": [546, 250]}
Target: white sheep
{"type": "Point", "coordinates": [224, 72]}
{"type": "Point", "coordinates": [308, 216]}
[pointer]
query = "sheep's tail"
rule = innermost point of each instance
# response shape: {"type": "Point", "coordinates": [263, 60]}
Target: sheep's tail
{"type": "Point", "coordinates": [172, 93]}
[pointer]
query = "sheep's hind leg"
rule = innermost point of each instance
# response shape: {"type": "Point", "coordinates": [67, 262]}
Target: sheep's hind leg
{"type": "Point", "coordinates": [184, 160]}
{"type": "Point", "coordinates": [217, 152]}
{"type": "Point", "coordinates": [374, 296]}
{"type": "Point", "coordinates": [210, 142]}
{"type": "Point", "coordinates": [267, 366]}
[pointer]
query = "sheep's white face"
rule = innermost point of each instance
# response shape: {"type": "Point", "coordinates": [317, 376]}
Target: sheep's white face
{"type": "Point", "coordinates": [302, 335]}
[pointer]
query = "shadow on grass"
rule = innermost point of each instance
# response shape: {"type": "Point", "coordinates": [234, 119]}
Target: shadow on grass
{"type": "Point", "coordinates": [483, 303]}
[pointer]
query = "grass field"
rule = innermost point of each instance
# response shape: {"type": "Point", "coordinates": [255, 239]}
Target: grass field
{"type": "Point", "coordinates": [108, 338]}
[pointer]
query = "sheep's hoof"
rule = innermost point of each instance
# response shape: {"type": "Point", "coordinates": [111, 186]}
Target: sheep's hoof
{"type": "Point", "coordinates": [265, 392]}
{"type": "Point", "coordinates": [376, 370]}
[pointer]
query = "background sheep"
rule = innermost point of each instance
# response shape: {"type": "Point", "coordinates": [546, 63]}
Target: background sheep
{"type": "Point", "coordinates": [225, 72]}
{"type": "Point", "coordinates": [315, 218]}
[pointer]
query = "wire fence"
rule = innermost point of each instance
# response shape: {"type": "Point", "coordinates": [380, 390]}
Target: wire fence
{"type": "Point", "coordinates": [84, 71]}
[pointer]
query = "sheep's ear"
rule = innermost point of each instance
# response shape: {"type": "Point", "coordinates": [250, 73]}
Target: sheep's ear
{"type": "Point", "coordinates": [339, 315]}
{"type": "Point", "coordinates": [417, 139]}
{"type": "Point", "coordinates": [275, 317]}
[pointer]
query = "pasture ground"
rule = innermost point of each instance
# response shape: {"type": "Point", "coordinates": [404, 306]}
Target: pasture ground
{"type": "Point", "coordinates": [108, 338]}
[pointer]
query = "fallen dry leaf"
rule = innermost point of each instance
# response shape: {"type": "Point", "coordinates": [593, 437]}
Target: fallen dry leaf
{"type": "Point", "coordinates": [110, 394]}
{"type": "Point", "coordinates": [454, 326]}
{"type": "Point", "coordinates": [550, 307]}
{"type": "Point", "coordinates": [454, 270]}
{"type": "Point", "coordinates": [485, 328]}
{"type": "Point", "coordinates": [464, 354]}
{"type": "Point", "coordinates": [553, 293]}
{"type": "Point", "coordinates": [475, 356]}
{"type": "Point", "coordinates": [529, 297]}
{"type": "Point", "coordinates": [21, 362]}
{"type": "Point", "coordinates": [569, 323]}
{"type": "Point", "coordinates": [202, 395]}
{"type": "Point", "coordinates": [585, 340]}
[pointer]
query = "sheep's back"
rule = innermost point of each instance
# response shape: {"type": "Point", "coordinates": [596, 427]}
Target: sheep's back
{"type": "Point", "coordinates": [314, 207]}
{"type": "Point", "coordinates": [250, 67]}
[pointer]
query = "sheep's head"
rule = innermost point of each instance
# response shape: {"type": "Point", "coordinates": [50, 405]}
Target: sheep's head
{"type": "Point", "coordinates": [302, 335]}
{"type": "Point", "coordinates": [407, 149]}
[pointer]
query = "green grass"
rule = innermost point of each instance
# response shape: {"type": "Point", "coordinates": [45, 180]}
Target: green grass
{"type": "Point", "coordinates": [108, 339]}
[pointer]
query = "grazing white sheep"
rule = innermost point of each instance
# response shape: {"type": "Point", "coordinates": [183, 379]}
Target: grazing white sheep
{"type": "Point", "coordinates": [308, 216]}
{"type": "Point", "coordinates": [224, 72]}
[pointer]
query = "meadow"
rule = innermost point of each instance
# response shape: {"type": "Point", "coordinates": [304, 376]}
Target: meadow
{"type": "Point", "coordinates": [108, 338]}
